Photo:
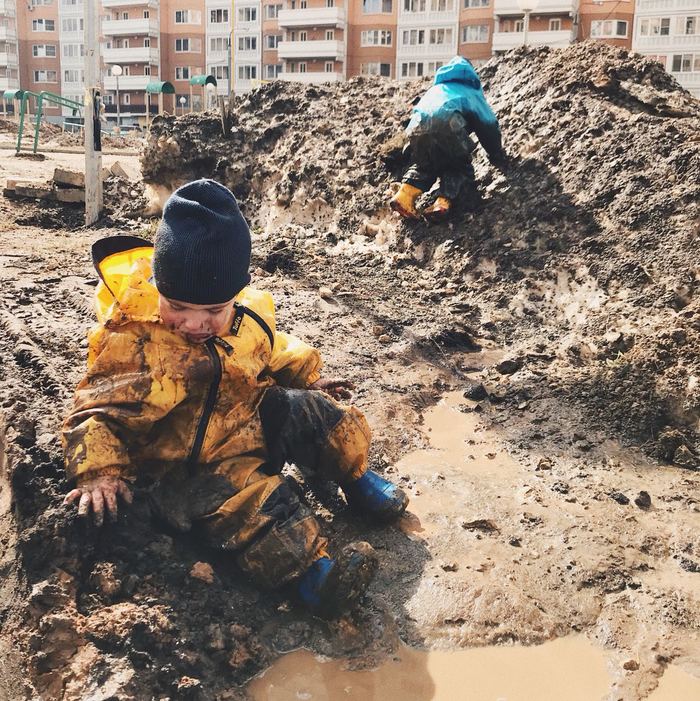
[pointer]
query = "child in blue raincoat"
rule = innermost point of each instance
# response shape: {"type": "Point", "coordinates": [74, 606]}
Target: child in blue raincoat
{"type": "Point", "coordinates": [439, 142]}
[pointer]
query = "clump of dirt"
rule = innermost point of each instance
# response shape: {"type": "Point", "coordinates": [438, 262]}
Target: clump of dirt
{"type": "Point", "coordinates": [582, 253]}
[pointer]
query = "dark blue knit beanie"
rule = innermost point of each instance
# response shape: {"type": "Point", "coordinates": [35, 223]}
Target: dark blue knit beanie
{"type": "Point", "coordinates": [202, 246]}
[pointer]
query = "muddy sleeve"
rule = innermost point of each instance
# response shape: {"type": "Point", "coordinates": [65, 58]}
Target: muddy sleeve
{"type": "Point", "coordinates": [485, 125]}
{"type": "Point", "coordinates": [116, 404]}
{"type": "Point", "coordinates": [294, 363]}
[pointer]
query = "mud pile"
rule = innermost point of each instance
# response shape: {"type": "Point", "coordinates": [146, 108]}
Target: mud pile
{"type": "Point", "coordinates": [583, 252]}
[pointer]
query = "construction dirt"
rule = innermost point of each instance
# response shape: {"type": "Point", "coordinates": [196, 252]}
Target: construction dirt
{"type": "Point", "coordinates": [531, 370]}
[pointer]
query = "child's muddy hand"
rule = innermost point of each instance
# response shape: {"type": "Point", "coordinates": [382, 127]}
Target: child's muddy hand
{"type": "Point", "coordinates": [338, 389]}
{"type": "Point", "coordinates": [99, 493]}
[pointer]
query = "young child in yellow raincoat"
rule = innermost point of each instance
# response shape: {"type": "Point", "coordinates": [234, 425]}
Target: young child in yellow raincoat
{"type": "Point", "coordinates": [192, 390]}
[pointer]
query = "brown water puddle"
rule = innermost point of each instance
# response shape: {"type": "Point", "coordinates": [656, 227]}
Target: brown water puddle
{"type": "Point", "coordinates": [568, 668]}
{"type": "Point", "coordinates": [463, 453]}
{"type": "Point", "coordinates": [676, 685]}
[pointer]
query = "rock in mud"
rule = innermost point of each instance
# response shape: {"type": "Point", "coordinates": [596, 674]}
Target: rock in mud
{"type": "Point", "coordinates": [475, 391]}
{"type": "Point", "coordinates": [643, 500]}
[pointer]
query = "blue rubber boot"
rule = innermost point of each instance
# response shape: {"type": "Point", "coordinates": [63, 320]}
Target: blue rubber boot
{"type": "Point", "coordinates": [331, 587]}
{"type": "Point", "coordinates": [375, 496]}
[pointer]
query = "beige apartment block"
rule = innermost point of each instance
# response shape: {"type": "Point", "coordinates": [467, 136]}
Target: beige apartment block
{"type": "Point", "coordinates": [610, 21]}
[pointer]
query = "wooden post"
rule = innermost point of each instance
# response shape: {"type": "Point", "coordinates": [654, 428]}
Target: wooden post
{"type": "Point", "coordinates": [93, 144]}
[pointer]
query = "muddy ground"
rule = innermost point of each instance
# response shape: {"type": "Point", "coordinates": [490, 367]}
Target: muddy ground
{"type": "Point", "coordinates": [530, 370]}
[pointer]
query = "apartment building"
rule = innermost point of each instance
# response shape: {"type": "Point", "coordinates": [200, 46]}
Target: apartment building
{"type": "Point", "coordinates": [9, 47]}
{"type": "Point", "coordinates": [669, 31]}
{"type": "Point", "coordinates": [244, 42]}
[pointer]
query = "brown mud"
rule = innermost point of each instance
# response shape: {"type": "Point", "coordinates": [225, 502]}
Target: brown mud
{"type": "Point", "coordinates": [530, 370]}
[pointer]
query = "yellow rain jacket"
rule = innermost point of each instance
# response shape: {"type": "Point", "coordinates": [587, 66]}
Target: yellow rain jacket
{"type": "Point", "coordinates": [151, 399]}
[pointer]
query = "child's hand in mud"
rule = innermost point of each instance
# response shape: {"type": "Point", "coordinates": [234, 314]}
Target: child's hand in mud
{"type": "Point", "coordinates": [338, 389]}
{"type": "Point", "coordinates": [98, 493]}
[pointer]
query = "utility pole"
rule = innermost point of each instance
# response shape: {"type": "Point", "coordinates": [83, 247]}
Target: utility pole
{"type": "Point", "coordinates": [93, 144]}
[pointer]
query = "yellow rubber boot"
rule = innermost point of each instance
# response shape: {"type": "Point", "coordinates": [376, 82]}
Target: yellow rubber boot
{"type": "Point", "coordinates": [438, 209]}
{"type": "Point", "coordinates": [404, 201]}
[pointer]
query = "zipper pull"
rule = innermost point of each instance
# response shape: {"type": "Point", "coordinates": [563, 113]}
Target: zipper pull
{"type": "Point", "coordinates": [228, 348]}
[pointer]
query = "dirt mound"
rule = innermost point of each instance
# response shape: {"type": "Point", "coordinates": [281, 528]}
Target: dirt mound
{"type": "Point", "coordinates": [585, 248]}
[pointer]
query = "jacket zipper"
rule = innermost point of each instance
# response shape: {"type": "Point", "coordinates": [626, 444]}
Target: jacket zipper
{"type": "Point", "coordinates": [208, 408]}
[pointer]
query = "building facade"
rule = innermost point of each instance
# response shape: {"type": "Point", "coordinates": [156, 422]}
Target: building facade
{"type": "Point", "coordinates": [669, 31]}
{"type": "Point", "coordinates": [244, 42]}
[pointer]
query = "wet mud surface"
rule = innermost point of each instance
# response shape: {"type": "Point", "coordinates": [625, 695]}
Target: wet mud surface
{"type": "Point", "coordinates": [529, 369]}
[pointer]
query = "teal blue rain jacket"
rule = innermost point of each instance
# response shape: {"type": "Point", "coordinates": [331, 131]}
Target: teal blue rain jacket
{"type": "Point", "coordinates": [457, 89]}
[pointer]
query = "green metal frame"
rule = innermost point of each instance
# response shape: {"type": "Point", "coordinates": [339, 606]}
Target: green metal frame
{"type": "Point", "coordinates": [43, 95]}
{"type": "Point", "coordinates": [203, 80]}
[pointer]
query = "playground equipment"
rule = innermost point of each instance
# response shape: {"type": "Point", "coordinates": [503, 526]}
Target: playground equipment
{"type": "Point", "coordinates": [40, 99]}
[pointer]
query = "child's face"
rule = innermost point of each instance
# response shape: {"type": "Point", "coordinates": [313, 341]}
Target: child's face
{"type": "Point", "coordinates": [196, 322]}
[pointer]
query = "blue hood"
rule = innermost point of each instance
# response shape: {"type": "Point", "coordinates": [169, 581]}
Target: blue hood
{"type": "Point", "coordinates": [458, 70]}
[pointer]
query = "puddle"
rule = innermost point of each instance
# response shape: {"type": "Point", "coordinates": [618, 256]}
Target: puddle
{"type": "Point", "coordinates": [463, 452]}
{"type": "Point", "coordinates": [568, 668]}
{"type": "Point", "coordinates": [676, 685]}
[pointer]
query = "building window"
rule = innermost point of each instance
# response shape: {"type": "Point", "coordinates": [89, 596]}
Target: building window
{"type": "Point", "coordinates": [126, 98]}
{"type": "Point", "coordinates": [182, 72]}
{"type": "Point", "coordinates": [146, 14]}
{"type": "Point", "coordinates": [218, 16]}
{"type": "Point", "coordinates": [303, 36]}
{"type": "Point", "coordinates": [188, 17]}
{"type": "Point", "coordinates": [46, 25]}
{"type": "Point", "coordinates": [302, 67]}
{"type": "Point", "coordinates": [655, 26]}
{"type": "Point", "coordinates": [475, 3]}
{"type": "Point", "coordinates": [329, 67]}
{"type": "Point", "coordinates": [519, 25]}
{"type": "Point", "coordinates": [375, 37]}
{"type": "Point", "coordinates": [441, 5]}
{"type": "Point", "coordinates": [330, 3]}
{"type": "Point", "coordinates": [555, 24]}
{"type": "Point", "coordinates": [376, 68]}
{"type": "Point", "coordinates": [45, 76]}
{"type": "Point", "coordinates": [608, 29]}
{"type": "Point", "coordinates": [44, 50]}
{"type": "Point", "coordinates": [107, 99]}
{"type": "Point", "coordinates": [303, 4]}
{"type": "Point", "coordinates": [247, 43]}
{"type": "Point", "coordinates": [414, 5]}
{"type": "Point", "coordinates": [273, 71]}
{"type": "Point", "coordinates": [690, 25]}
{"type": "Point", "coordinates": [219, 72]}
{"type": "Point", "coordinates": [376, 7]}
{"type": "Point", "coordinates": [192, 45]}
{"type": "Point", "coordinates": [73, 76]}
{"type": "Point", "coordinates": [475, 34]}
{"type": "Point", "coordinates": [147, 43]}
{"type": "Point", "coordinates": [440, 36]}
{"type": "Point", "coordinates": [247, 14]}
{"type": "Point", "coordinates": [218, 44]}
{"type": "Point", "coordinates": [247, 72]}
{"type": "Point", "coordinates": [147, 70]}
{"type": "Point", "coordinates": [73, 50]}
{"type": "Point", "coordinates": [272, 41]}
{"type": "Point", "coordinates": [38, 3]}
{"type": "Point", "coordinates": [411, 69]}
{"type": "Point", "coordinates": [685, 63]}
{"type": "Point", "coordinates": [127, 70]}
{"type": "Point", "coordinates": [272, 11]}
{"type": "Point", "coordinates": [413, 37]}
{"type": "Point", "coordinates": [330, 35]}
{"type": "Point", "coordinates": [72, 25]}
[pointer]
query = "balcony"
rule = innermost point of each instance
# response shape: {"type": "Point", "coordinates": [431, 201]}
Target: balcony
{"type": "Point", "coordinates": [130, 27]}
{"type": "Point", "coordinates": [690, 81]}
{"type": "Point", "coordinates": [311, 77]}
{"type": "Point", "coordinates": [128, 82]}
{"type": "Point", "coordinates": [422, 19]}
{"type": "Point", "coordinates": [9, 84]}
{"type": "Point", "coordinates": [677, 42]}
{"type": "Point", "coordinates": [655, 5]}
{"type": "Point", "coordinates": [505, 8]}
{"type": "Point", "coordinates": [8, 34]}
{"type": "Point", "coordinates": [7, 8]}
{"type": "Point", "coordinates": [10, 60]}
{"type": "Point", "coordinates": [504, 41]}
{"type": "Point", "coordinates": [312, 17]}
{"type": "Point", "coordinates": [136, 54]}
{"type": "Point", "coordinates": [114, 4]}
{"type": "Point", "coordinates": [311, 49]}
{"type": "Point", "coordinates": [427, 50]}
